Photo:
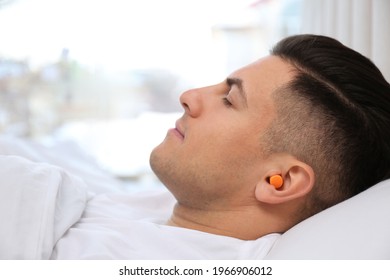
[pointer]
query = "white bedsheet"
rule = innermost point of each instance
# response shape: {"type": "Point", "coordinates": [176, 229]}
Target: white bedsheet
{"type": "Point", "coordinates": [132, 227]}
{"type": "Point", "coordinates": [38, 203]}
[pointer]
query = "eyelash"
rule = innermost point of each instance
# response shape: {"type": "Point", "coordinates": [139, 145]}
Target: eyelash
{"type": "Point", "coordinates": [226, 102]}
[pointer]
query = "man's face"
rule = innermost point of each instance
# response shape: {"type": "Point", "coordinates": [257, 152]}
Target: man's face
{"type": "Point", "coordinates": [213, 157]}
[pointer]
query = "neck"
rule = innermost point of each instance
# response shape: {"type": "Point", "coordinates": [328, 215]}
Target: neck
{"type": "Point", "coordinates": [246, 223]}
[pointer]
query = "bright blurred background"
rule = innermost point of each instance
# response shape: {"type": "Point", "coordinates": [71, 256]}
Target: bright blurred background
{"type": "Point", "coordinates": [107, 75]}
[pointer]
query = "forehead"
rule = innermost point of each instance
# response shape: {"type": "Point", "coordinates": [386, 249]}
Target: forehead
{"type": "Point", "coordinates": [265, 75]}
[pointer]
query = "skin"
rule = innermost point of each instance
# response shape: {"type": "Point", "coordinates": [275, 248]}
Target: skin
{"type": "Point", "coordinates": [213, 164]}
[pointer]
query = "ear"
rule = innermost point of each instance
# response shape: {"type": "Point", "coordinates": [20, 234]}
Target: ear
{"type": "Point", "coordinates": [298, 180]}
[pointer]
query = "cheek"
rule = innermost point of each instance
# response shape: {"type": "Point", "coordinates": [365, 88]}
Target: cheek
{"type": "Point", "coordinates": [229, 153]}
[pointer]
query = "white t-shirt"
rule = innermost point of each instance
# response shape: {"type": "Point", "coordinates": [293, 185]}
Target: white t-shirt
{"type": "Point", "coordinates": [132, 226]}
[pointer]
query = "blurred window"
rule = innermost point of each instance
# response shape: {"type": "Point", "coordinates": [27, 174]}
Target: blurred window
{"type": "Point", "coordinates": [67, 63]}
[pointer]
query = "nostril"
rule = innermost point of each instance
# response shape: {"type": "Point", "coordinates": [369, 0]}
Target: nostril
{"type": "Point", "coordinates": [185, 106]}
{"type": "Point", "coordinates": [184, 101]}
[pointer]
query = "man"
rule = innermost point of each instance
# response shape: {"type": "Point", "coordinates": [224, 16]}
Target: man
{"type": "Point", "coordinates": [314, 112]}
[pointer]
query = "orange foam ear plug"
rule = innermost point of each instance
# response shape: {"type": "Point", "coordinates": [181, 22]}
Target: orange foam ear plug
{"type": "Point", "coordinates": [276, 181]}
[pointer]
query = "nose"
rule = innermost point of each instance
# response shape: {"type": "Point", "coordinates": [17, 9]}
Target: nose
{"type": "Point", "coordinates": [191, 100]}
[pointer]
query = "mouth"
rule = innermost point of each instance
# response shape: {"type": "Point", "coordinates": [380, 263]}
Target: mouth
{"type": "Point", "coordinates": [179, 130]}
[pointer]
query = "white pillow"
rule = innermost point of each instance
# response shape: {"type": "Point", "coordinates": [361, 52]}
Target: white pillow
{"type": "Point", "coordinates": [358, 228]}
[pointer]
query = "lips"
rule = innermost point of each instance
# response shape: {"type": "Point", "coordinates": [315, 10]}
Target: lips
{"type": "Point", "coordinates": [179, 129]}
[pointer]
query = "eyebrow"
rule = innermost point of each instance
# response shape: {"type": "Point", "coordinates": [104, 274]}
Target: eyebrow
{"type": "Point", "coordinates": [231, 81]}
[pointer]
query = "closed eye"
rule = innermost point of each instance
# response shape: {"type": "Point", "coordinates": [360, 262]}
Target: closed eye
{"type": "Point", "coordinates": [226, 102]}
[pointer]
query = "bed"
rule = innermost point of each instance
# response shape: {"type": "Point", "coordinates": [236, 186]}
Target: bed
{"type": "Point", "coordinates": [54, 199]}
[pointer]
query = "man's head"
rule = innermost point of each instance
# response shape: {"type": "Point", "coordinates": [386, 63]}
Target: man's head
{"type": "Point", "coordinates": [314, 111]}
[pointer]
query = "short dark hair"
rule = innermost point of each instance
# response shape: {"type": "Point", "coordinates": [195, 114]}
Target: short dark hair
{"type": "Point", "coordinates": [334, 115]}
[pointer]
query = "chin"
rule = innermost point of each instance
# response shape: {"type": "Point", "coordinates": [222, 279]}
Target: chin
{"type": "Point", "coordinates": [159, 163]}
{"type": "Point", "coordinates": [153, 159]}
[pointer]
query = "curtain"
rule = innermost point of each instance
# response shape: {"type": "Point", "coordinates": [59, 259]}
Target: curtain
{"type": "Point", "coordinates": [363, 25]}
